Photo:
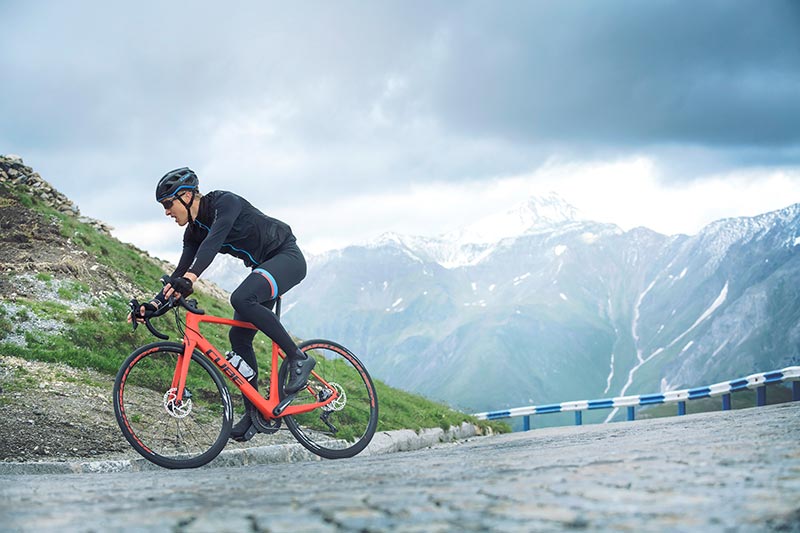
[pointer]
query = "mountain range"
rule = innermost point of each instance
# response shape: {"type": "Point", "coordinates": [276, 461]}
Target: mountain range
{"type": "Point", "coordinates": [540, 305]}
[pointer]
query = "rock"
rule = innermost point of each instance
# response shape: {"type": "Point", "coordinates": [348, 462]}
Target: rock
{"type": "Point", "coordinates": [12, 169]}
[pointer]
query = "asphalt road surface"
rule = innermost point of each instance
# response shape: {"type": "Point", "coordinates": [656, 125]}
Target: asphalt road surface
{"type": "Point", "coordinates": [723, 471]}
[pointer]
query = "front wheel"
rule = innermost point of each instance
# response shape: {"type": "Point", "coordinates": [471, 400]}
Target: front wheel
{"type": "Point", "coordinates": [345, 426]}
{"type": "Point", "coordinates": [171, 433]}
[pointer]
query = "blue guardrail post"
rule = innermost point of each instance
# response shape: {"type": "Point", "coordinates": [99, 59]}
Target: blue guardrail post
{"type": "Point", "coordinates": [761, 396]}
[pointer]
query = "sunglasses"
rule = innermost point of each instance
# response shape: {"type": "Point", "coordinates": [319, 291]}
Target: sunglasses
{"type": "Point", "coordinates": [168, 202]}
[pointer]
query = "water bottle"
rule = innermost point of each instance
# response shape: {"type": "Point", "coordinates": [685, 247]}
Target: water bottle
{"type": "Point", "coordinates": [237, 362]}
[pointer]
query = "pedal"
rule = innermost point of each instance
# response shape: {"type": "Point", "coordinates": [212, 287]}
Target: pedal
{"type": "Point", "coordinates": [284, 404]}
{"type": "Point", "coordinates": [249, 434]}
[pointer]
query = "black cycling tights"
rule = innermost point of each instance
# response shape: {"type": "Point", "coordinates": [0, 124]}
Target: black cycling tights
{"type": "Point", "coordinates": [254, 299]}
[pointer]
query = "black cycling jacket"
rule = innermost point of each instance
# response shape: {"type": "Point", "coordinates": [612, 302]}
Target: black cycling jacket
{"type": "Point", "coordinates": [226, 223]}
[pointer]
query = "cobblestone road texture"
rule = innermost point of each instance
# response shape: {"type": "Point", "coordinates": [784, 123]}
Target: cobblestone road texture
{"type": "Point", "coordinates": [723, 471]}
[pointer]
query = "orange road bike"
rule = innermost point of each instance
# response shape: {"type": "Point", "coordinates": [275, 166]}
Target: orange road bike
{"type": "Point", "coordinates": [174, 407]}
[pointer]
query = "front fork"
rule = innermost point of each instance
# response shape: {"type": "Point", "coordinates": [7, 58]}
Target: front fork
{"type": "Point", "coordinates": [181, 371]}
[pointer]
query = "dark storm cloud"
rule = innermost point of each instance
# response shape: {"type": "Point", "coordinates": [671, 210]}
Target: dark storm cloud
{"type": "Point", "coordinates": [367, 95]}
{"type": "Point", "coordinates": [723, 74]}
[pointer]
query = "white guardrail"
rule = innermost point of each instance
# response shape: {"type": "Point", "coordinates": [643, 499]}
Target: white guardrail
{"type": "Point", "coordinates": [724, 389]}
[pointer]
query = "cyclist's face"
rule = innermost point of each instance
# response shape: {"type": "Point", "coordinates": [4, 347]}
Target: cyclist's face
{"type": "Point", "coordinates": [175, 209]}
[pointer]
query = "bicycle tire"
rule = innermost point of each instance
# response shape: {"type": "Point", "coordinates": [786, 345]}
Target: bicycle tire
{"type": "Point", "coordinates": [346, 426]}
{"type": "Point", "coordinates": [187, 435]}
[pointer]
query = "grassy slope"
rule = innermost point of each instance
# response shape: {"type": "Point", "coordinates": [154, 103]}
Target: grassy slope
{"type": "Point", "coordinates": [98, 337]}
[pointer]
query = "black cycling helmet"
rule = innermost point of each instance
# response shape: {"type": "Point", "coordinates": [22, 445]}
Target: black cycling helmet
{"type": "Point", "coordinates": [174, 182]}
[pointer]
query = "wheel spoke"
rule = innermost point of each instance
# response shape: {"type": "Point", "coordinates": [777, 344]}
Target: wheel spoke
{"type": "Point", "coordinates": [345, 425]}
{"type": "Point", "coordinates": [174, 436]}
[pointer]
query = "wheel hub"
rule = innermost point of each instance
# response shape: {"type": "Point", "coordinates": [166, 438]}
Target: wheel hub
{"type": "Point", "coordinates": [177, 409]}
{"type": "Point", "coordinates": [341, 398]}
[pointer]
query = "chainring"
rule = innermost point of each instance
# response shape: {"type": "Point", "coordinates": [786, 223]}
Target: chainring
{"type": "Point", "coordinates": [265, 425]}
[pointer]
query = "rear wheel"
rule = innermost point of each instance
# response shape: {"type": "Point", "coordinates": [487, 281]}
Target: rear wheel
{"type": "Point", "coordinates": [172, 434]}
{"type": "Point", "coordinates": [344, 427]}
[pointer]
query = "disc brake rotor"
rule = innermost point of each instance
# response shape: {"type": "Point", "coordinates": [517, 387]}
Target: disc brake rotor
{"type": "Point", "coordinates": [175, 409]}
{"type": "Point", "coordinates": [341, 398]}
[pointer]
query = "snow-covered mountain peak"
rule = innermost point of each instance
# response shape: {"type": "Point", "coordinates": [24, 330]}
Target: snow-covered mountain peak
{"type": "Point", "coordinates": [722, 234]}
{"type": "Point", "coordinates": [474, 242]}
{"type": "Point", "coordinates": [535, 215]}
{"type": "Point", "coordinates": [390, 238]}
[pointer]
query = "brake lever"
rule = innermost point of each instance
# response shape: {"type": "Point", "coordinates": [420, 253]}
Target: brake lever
{"type": "Point", "coordinates": [134, 304]}
{"type": "Point", "coordinates": [190, 305]}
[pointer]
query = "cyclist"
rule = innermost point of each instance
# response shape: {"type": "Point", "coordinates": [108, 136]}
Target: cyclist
{"type": "Point", "coordinates": [223, 222]}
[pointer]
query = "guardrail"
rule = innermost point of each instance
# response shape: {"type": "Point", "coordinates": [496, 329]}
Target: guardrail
{"type": "Point", "coordinates": [724, 389]}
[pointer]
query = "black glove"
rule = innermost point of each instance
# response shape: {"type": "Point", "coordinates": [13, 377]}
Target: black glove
{"type": "Point", "coordinates": [182, 285]}
{"type": "Point", "coordinates": [153, 305]}
{"type": "Point", "coordinates": [156, 302]}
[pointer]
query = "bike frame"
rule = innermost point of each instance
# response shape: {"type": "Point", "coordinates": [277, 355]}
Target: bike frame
{"type": "Point", "coordinates": [193, 339]}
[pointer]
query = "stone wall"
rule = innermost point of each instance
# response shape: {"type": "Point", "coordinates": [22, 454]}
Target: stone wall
{"type": "Point", "coordinates": [13, 171]}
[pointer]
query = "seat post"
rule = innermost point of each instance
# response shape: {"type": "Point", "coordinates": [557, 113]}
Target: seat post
{"type": "Point", "coordinates": [278, 307]}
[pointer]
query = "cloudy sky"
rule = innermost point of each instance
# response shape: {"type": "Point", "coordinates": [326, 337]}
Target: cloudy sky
{"type": "Point", "coordinates": [350, 119]}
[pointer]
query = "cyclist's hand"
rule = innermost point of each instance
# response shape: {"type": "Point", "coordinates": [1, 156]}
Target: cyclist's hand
{"type": "Point", "coordinates": [180, 285]}
{"type": "Point", "coordinates": [148, 309]}
{"type": "Point", "coordinates": [139, 315]}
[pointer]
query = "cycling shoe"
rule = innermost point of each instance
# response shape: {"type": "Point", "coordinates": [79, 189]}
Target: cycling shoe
{"type": "Point", "coordinates": [299, 370]}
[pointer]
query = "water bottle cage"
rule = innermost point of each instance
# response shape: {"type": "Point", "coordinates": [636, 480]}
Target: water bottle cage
{"type": "Point", "coordinates": [236, 361]}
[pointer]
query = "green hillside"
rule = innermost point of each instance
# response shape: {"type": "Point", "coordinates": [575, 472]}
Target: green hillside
{"type": "Point", "coordinates": [65, 284]}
